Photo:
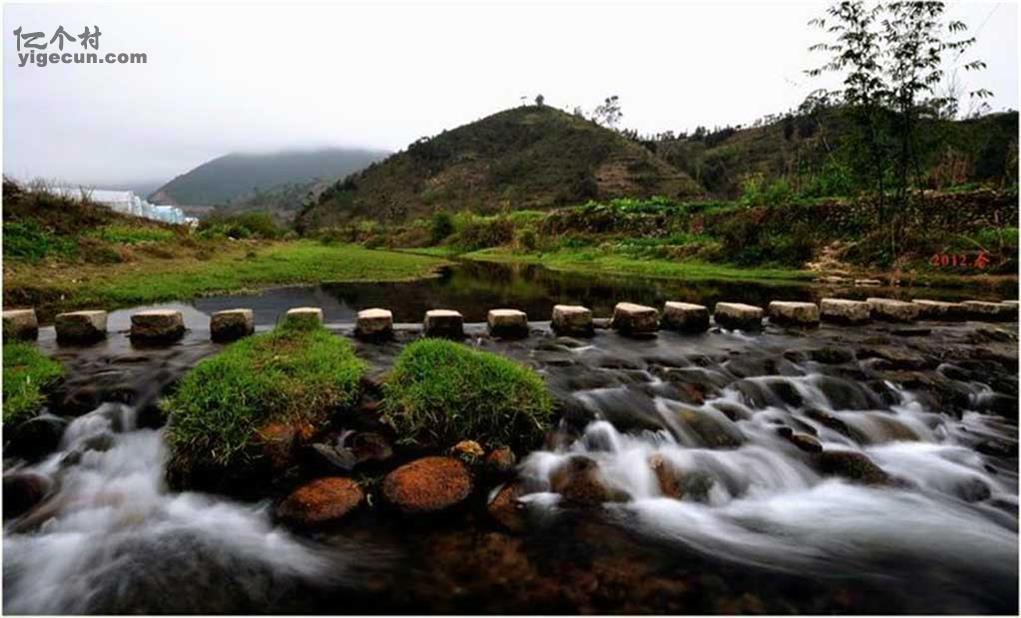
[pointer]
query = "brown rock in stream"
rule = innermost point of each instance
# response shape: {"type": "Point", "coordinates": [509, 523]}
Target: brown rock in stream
{"type": "Point", "coordinates": [428, 485]}
{"type": "Point", "coordinates": [321, 501]}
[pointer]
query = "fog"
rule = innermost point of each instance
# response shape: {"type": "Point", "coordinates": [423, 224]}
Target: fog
{"type": "Point", "coordinates": [238, 77]}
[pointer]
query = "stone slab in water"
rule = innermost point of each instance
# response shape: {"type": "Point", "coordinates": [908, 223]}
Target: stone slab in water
{"type": "Point", "coordinates": [794, 313]}
{"type": "Point", "coordinates": [444, 323]}
{"type": "Point", "coordinates": [374, 323]}
{"type": "Point", "coordinates": [507, 323]}
{"type": "Point", "coordinates": [982, 310]}
{"type": "Point", "coordinates": [80, 326]}
{"type": "Point", "coordinates": [685, 317]}
{"type": "Point", "coordinates": [20, 324]}
{"type": "Point", "coordinates": [572, 320]}
{"type": "Point", "coordinates": [738, 316]}
{"type": "Point", "coordinates": [231, 324]}
{"type": "Point", "coordinates": [893, 310]}
{"type": "Point", "coordinates": [633, 319]}
{"type": "Point", "coordinates": [157, 325]}
{"type": "Point", "coordinates": [844, 311]}
{"type": "Point", "coordinates": [309, 315]}
{"type": "Point", "coordinates": [939, 310]}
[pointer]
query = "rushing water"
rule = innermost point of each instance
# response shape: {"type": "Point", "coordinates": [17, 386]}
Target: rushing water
{"type": "Point", "coordinates": [758, 527]}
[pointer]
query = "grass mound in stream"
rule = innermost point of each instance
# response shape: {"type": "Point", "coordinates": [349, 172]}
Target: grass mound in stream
{"type": "Point", "coordinates": [441, 392]}
{"type": "Point", "coordinates": [27, 375]}
{"type": "Point", "coordinates": [263, 389]}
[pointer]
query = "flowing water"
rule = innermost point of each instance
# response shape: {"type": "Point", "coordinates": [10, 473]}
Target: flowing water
{"type": "Point", "coordinates": [755, 526]}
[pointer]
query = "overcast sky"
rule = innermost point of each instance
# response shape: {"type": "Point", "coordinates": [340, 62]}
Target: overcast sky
{"type": "Point", "coordinates": [242, 77]}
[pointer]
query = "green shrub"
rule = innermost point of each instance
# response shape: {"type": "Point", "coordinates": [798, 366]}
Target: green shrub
{"type": "Point", "coordinates": [485, 232]}
{"type": "Point", "coordinates": [27, 375]}
{"type": "Point", "coordinates": [130, 235]}
{"type": "Point", "coordinates": [247, 225]}
{"type": "Point", "coordinates": [442, 227]}
{"type": "Point", "coordinates": [757, 191]}
{"type": "Point", "coordinates": [28, 241]}
{"type": "Point", "coordinates": [297, 374]}
{"type": "Point", "coordinates": [441, 392]}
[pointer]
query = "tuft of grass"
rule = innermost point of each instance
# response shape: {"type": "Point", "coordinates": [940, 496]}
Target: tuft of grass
{"type": "Point", "coordinates": [131, 235]}
{"type": "Point", "coordinates": [441, 392]}
{"type": "Point", "coordinates": [298, 374]}
{"type": "Point", "coordinates": [30, 242]}
{"type": "Point", "coordinates": [27, 375]}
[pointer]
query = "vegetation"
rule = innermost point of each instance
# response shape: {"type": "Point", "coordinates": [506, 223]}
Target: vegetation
{"type": "Point", "coordinates": [246, 225]}
{"type": "Point", "coordinates": [298, 375]}
{"type": "Point", "coordinates": [440, 392]}
{"type": "Point", "coordinates": [27, 376]}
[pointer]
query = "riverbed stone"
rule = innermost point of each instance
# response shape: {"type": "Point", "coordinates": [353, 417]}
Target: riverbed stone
{"type": "Point", "coordinates": [794, 313]}
{"type": "Point", "coordinates": [738, 316]}
{"type": "Point", "coordinates": [983, 310]}
{"type": "Point", "coordinates": [157, 325]}
{"type": "Point", "coordinates": [853, 466]}
{"type": "Point", "coordinates": [633, 319]}
{"type": "Point", "coordinates": [572, 321]}
{"type": "Point", "coordinates": [428, 485]}
{"type": "Point", "coordinates": [231, 324]}
{"type": "Point", "coordinates": [80, 326]}
{"type": "Point", "coordinates": [507, 323]}
{"type": "Point", "coordinates": [23, 490]}
{"type": "Point", "coordinates": [374, 324]}
{"type": "Point", "coordinates": [506, 508]}
{"type": "Point", "coordinates": [867, 282]}
{"type": "Point", "coordinates": [844, 311]}
{"type": "Point", "coordinates": [321, 501]}
{"type": "Point", "coordinates": [891, 310]}
{"type": "Point", "coordinates": [939, 310]}
{"type": "Point", "coordinates": [20, 324]}
{"type": "Point", "coordinates": [444, 323]}
{"type": "Point", "coordinates": [304, 316]}
{"type": "Point", "coordinates": [501, 461]}
{"type": "Point", "coordinates": [685, 317]}
{"type": "Point", "coordinates": [579, 483]}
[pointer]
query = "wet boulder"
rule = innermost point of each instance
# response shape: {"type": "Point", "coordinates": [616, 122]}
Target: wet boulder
{"type": "Point", "coordinates": [34, 438]}
{"type": "Point", "coordinates": [892, 310]}
{"type": "Point", "coordinates": [80, 326]}
{"type": "Point", "coordinates": [20, 324]}
{"type": "Point", "coordinates": [738, 316]}
{"type": "Point", "coordinates": [444, 323]}
{"type": "Point", "coordinates": [157, 326]}
{"type": "Point", "coordinates": [579, 483]}
{"type": "Point", "coordinates": [23, 491]}
{"type": "Point", "coordinates": [712, 431]}
{"type": "Point", "coordinates": [805, 442]}
{"type": "Point", "coordinates": [572, 321]}
{"type": "Point", "coordinates": [507, 323]}
{"type": "Point", "coordinates": [685, 317]}
{"type": "Point", "coordinates": [322, 501]}
{"type": "Point", "coordinates": [793, 313]}
{"type": "Point", "coordinates": [635, 320]}
{"type": "Point", "coordinates": [853, 466]}
{"type": "Point", "coordinates": [831, 355]}
{"type": "Point", "coordinates": [679, 484]}
{"type": "Point", "coordinates": [844, 311]}
{"type": "Point", "coordinates": [231, 324]}
{"type": "Point", "coordinates": [428, 485]}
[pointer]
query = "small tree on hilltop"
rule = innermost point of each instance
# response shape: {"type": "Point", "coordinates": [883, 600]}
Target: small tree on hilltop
{"type": "Point", "coordinates": [539, 100]}
{"type": "Point", "coordinates": [608, 113]}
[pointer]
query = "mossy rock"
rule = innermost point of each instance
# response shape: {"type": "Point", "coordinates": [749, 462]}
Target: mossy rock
{"type": "Point", "coordinates": [441, 392]}
{"type": "Point", "coordinates": [239, 417]}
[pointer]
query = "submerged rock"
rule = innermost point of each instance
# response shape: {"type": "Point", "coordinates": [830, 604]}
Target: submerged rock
{"type": "Point", "coordinates": [579, 483]}
{"type": "Point", "coordinates": [680, 484]}
{"type": "Point", "coordinates": [428, 485]}
{"type": "Point", "coordinates": [23, 491]}
{"type": "Point", "coordinates": [505, 507]}
{"type": "Point", "coordinates": [853, 466]}
{"type": "Point", "coordinates": [805, 442]}
{"type": "Point", "coordinates": [321, 501]}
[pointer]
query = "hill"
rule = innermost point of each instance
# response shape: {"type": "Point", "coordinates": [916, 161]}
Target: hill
{"type": "Point", "coordinates": [526, 157]}
{"type": "Point", "coordinates": [238, 176]}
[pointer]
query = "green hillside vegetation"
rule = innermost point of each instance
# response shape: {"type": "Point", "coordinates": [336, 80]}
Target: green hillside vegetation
{"type": "Point", "coordinates": [523, 158]}
{"type": "Point", "coordinates": [241, 176]}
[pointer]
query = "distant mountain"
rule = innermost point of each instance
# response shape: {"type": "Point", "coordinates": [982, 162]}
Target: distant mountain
{"type": "Point", "coordinates": [238, 176]}
{"type": "Point", "coordinates": [526, 157]}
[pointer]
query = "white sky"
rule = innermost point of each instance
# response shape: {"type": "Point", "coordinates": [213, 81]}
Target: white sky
{"type": "Point", "coordinates": [256, 77]}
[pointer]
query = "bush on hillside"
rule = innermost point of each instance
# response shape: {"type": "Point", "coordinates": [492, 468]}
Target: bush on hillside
{"type": "Point", "coordinates": [441, 392]}
{"type": "Point", "coordinates": [247, 225]}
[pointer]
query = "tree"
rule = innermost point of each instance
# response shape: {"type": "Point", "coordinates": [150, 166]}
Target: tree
{"type": "Point", "coordinates": [608, 113]}
{"type": "Point", "coordinates": [539, 100]}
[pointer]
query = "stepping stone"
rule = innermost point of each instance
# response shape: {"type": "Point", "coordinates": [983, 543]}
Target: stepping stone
{"type": "Point", "coordinates": [374, 324]}
{"type": "Point", "coordinates": [982, 310]}
{"type": "Point", "coordinates": [737, 316]}
{"type": "Point", "coordinates": [81, 326]}
{"type": "Point", "coordinates": [685, 317]}
{"type": "Point", "coordinates": [632, 319]}
{"type": "Point", "coordinates": [157, 325]}
{"type": "Point", "coordinates": [20, 324]}
{"type": "Point", "coordinates": [304, 316]}
{"type": "Point", "coordinates": [867, 282]}
{"type": "Point", "coordinates": [507, 323]}
{"type": "Point", "coordinates": [939, 310]}
{"type": "Point", "coordinates": [444, 323]}
{"type": "Point", "coordinates": [893, 310]}
{"type": "Point", "coordinates": [793, 313]}
{"type": "Point", "coordinates": [1012, 303]}
{"type": "Point", "coordinates": [572, 321]}
{"type": "Point", "coordinates": [231, 324]}
{"type": "Point", "coordinates": [844, 311]}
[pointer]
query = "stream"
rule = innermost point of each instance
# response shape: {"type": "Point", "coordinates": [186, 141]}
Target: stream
{"type": "Point", "coordinates": [758, 527]}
